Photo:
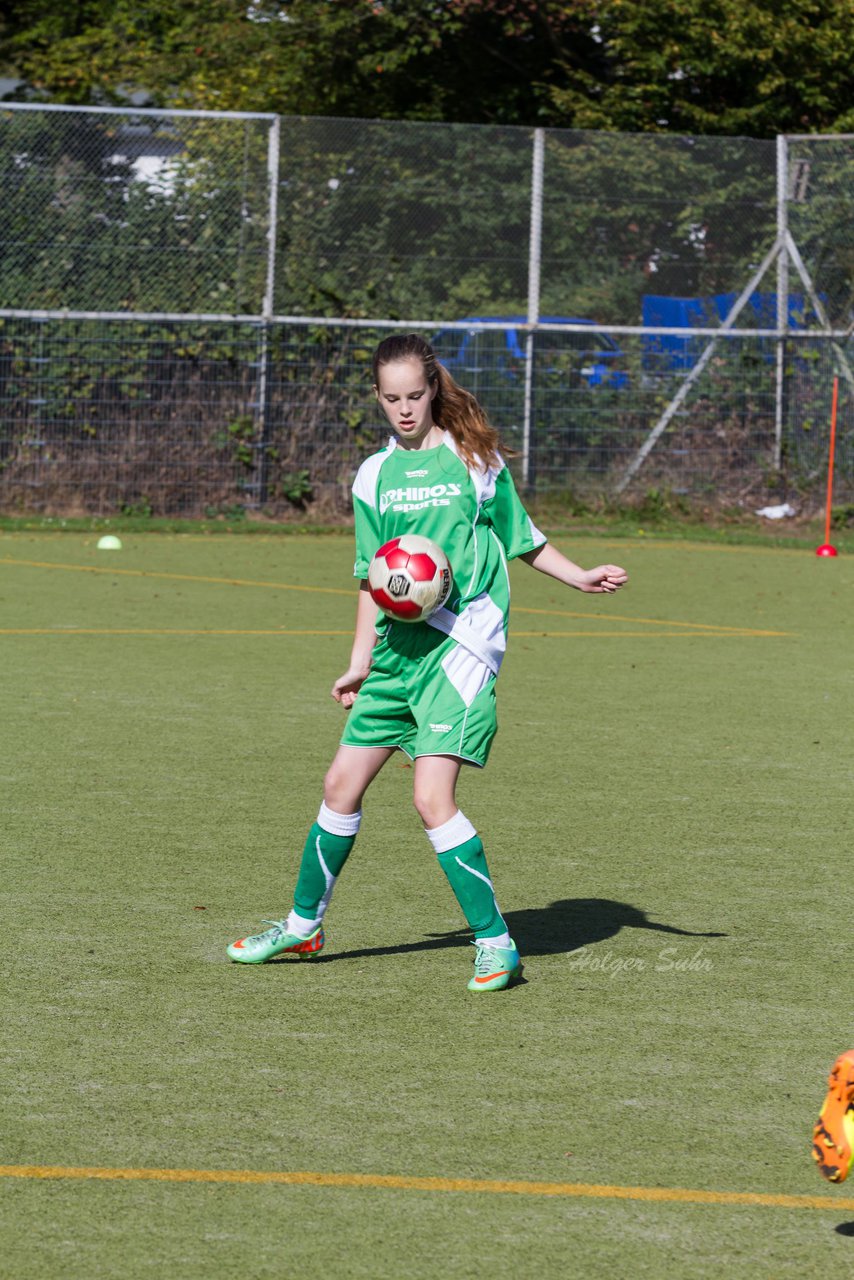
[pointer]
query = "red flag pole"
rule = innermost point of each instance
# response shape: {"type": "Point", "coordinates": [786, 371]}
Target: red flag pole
{"type": "Point", "coordinates": [826, 549]}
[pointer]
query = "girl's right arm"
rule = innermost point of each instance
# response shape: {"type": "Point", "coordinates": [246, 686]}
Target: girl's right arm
{"type": "Point", "coordinates": [347, 686]}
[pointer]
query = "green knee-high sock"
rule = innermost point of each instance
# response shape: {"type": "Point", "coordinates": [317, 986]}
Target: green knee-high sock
{"type": "Point", "coordinates": [468, 875]}
{"type": "Point", "coordinates": [323, 857]}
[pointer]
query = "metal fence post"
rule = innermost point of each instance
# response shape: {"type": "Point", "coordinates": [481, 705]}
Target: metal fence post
{"type": "Point", "coordinates": [534, 266]}
{"type": "Point", "coordinates": [782, 295]}
{"type": "Point", "coordinates": [268, 308]}
{"type": "Point", "coordinates": [274, 145]}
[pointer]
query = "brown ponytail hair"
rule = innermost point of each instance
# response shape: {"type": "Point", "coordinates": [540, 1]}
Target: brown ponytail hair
{"type": "Point", "coordinates": [454, 409]}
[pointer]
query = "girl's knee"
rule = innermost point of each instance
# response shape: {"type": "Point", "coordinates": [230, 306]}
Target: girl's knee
{"type": "Point", "coordinates": [338, 791]}
{"type": "Point", "coordinates": [433, 809]}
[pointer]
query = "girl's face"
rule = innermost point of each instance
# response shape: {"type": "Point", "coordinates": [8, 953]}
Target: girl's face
{"type": "Point", "coordinates": [406, 399]}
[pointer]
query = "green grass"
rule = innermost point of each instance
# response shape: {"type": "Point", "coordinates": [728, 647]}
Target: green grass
{"type": "Point", "coordinates": [656, 516]}
{"type": "Point", "coordinates": [667, 813]}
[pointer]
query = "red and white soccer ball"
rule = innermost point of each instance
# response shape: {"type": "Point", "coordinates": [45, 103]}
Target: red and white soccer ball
{"type": "Point", "coordinates": [409, 578]}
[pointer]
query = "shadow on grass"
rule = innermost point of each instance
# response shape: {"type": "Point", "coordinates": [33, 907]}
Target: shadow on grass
{"type": "Point", "coordinates": [559, 928]}
{"type": "Point", "coordinates": [572, 923]}
{"type": "Point", "coordinates": [845, 1229]}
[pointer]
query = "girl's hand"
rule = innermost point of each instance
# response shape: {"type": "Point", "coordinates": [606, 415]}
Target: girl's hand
{"type": "Point", "coordinates": [605, 578]}
{"type": "Point", "coordinates": [347, 686]}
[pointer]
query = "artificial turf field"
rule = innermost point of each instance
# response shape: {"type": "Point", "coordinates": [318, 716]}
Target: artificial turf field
{"type": "Point", "coordinates": [667, 813]}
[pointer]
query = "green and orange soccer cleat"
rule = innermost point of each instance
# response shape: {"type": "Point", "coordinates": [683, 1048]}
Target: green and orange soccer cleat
{"type": "Point", "coordinates": [275, 941]}
{"type": "Point", "coordinates": [833, 1136]}
{"type": "Point", "coordinates": [495, 967]}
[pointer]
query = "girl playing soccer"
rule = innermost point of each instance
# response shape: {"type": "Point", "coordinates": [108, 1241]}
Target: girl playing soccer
{"type": "Point", "coordinates": [427, 688]}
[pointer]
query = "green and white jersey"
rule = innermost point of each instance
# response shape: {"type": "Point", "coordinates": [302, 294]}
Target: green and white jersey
{"type": "Point", "coordinates": [475, 516]}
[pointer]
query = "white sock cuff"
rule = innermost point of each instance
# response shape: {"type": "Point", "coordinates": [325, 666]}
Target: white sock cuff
{"type": "Point", "coordinates": [451, 833]}
{"type": "Point", "coordinates": [298, 924]}
{"type": "Point", "coordinates": [502, 940]}
{"type": "Point", "coordinates": [338, 824]}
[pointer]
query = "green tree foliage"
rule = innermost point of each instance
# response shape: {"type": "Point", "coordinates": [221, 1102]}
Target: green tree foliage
{"type": "Point", "coordinates": [362, 234]}
{"type": "Point", "coordinates": [81, 224]}
{"type": "Point", "coordinates": [748, 67]}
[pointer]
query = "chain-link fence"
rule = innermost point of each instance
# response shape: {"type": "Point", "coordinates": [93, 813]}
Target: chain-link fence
{"type": "Point", "coordinates": [188, 302]}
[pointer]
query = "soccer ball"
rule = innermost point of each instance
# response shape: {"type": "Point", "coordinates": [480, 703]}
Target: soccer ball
{"type": "Point", "coordinates": [409, 578]}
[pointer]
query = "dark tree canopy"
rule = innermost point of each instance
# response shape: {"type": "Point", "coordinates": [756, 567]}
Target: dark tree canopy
{"type": "Point", "coordinates": [754, 67]}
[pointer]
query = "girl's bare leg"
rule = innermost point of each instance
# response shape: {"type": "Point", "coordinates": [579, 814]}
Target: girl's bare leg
{"type": "Point", "coordinates": [435, 789]}
{"type": "Point", "coordinates": [351, 773]}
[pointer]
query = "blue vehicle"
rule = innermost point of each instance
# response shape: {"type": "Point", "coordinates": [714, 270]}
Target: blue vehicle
{"type": "Point", "coordinates": [667, 353]}
{"type": "Point", "coordinates": [475, 356]}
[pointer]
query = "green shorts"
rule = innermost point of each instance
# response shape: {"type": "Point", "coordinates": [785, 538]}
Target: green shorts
{"type": "Point", "coordinates": [427, 695]}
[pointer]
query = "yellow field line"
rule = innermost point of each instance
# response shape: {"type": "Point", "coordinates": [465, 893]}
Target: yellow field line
{"type": "Point", "coordinates": [157, 631]}
{"type": "Point", "coordinates": [704, 627]}
{"type": "Point", "coordinates": [653, 543]}
{"type": "Point", "coordinates": [655, 622]}
{"type": "Point", "coordinates": [655, 635]}
{"type": "Point", "coordinates": [393, 1182]}
{"type": "Point", "coordinates": [177, 577]}
{"type": "Point", "coordinates": [210, 631]}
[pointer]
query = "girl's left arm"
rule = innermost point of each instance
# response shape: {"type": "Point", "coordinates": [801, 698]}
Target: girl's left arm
{"type": "Point", "coordinates": [604, 579]}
